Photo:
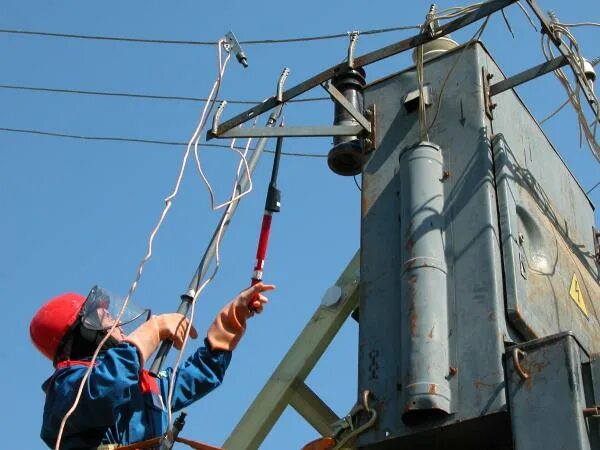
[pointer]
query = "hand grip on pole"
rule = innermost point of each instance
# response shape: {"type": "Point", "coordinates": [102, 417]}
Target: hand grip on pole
{"type": "Point", "coordinates": [272, 205]}
{"type": "Point", "coordinates": [261, 254]}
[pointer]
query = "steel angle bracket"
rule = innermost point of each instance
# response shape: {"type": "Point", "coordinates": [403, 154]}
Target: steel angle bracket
{"type": "Point", "coordinates": [339, 97]}
{"type": "Point", "coordinates": [307, 131]}
{"type": "Point", "coordinates": [488, 104]}
{"type": "Point", "coordinates": [484, 10]}
{"type": "Point", "coordinates": [362, 128]}
{"type": "Point", "coordinates": [529, 74]}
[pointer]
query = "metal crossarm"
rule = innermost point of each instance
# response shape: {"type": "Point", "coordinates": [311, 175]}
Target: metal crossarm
{"type": "Point", "coordinates": [484, 10]}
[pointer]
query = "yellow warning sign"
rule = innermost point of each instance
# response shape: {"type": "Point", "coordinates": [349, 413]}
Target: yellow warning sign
{"type": "Point", "coordinates": [577, 295]}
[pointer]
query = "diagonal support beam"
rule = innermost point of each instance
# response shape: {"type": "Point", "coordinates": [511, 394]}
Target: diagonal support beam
{"type": "Point", "coordinates": [314, 410]}
{"type": "Point", "coordinates": [282, 387]}
{"type": "Point", "coordinates": [338, 97]}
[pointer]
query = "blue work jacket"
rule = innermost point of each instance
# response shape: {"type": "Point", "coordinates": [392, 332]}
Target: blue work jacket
{"type": "Point", "coordinates": [122, 403]}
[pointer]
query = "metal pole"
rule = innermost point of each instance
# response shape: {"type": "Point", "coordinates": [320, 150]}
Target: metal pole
{"type": "Point", "coordinates": [209, 254]}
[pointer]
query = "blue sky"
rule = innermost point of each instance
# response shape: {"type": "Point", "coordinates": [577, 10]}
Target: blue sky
{"type": "Point", "coordinates": [78, 213]}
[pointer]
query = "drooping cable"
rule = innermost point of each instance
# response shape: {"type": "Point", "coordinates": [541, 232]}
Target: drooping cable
{"type": "Point", "coordinates": [144, 141]}
{"type": "Point", "coordinates": [132, 288]}
{"type": "Point", "coordinates": [202, 43]}
{"type": "Point", "coordinates": [144, 96]}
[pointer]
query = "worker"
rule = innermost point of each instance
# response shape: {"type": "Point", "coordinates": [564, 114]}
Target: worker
{"type": "Point", "coordinates": [122, 403]}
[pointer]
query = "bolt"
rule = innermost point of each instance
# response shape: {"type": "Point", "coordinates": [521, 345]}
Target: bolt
{"type": "Point", "coordinates": [445, 175]}
{"type": "Point", "coordinates": [369, 114]}
{"type": "Point", "coordinates": [453, 371]}
{"type": "Point", "coordinates": [521, 238]}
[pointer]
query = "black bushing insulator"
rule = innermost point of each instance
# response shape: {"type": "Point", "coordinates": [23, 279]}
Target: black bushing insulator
{"type": "Point", "coordinates": [346, 156]}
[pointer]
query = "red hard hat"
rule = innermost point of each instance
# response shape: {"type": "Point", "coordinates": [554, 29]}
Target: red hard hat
{"type": "Point", "coordinates": [53, 320]}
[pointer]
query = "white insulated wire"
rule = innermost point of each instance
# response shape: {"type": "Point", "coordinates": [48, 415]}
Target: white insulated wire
{"type": "Point", "coordinates": [132, 288]}
{"type": "Point", "coordinates": [581, 24]}
{"type": "Point", "coordinates": [235, 196]}
{"type": "Point", "coordinates": [227, 215]}
{"type": "Point", "coordinates": [576, 62]}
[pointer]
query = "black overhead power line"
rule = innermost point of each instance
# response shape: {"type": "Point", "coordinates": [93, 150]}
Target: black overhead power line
{"type": "Point", "coordinates": [144, 96]}
{"type": "Point", "coordinates": [189, 42]}
{"type": "Point", "coordinates": [140, 141]}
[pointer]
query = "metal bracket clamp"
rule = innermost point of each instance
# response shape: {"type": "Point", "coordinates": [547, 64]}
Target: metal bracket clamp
{"type": "Point", "coordinates": [280, 83]}
{"type": "Point", "coordinates": [236, 48]}
{"type": "Point", "coordinates": [489, 105]}
{"type": "Point", "coordinates": [217, 115]}
{"type": "Point", "coordinates": [369, 141]}
{"type": "Point", "coordinates": [346, 429]}
{"type": "Point", "coordinates": [351, 46]}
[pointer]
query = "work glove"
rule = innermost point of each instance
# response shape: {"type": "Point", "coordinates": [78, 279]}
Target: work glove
{"type": "Point", "coordinates": [148, 336]}
{"type": "Point", "coordinates": [230, 324]}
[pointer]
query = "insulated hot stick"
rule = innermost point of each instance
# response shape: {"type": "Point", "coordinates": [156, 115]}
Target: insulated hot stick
{"type": "Point", "coordinates": [272, 205]}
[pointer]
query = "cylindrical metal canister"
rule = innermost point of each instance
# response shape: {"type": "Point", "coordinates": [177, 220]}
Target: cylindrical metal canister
{"type": "Point", "coordinates": [424, 289]}
{"type": "Point", "coordinates": [346, 156]}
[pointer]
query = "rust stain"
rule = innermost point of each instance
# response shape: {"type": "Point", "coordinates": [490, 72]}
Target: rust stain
{"type": "Point", "coordinates": [479, 383]}
{"type": "Point", "coordinates": [412, 280]}
{"type": "Point", "coordinates": [413, 324]}
{"type": "Point", "coordinates": [432, 389]}
{"type": "Point", "coordinates": [430, 335]}
{"type": "Point", "coordinates": [409, 245]}
{"type": "Point", "coordinates": [539, 366]}
{"type": "Point", "coordinates": [453, 371]}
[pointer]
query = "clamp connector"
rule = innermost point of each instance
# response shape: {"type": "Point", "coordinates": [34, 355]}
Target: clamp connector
{"type": "Point", "coordinates": [236, 48]}
{"type": "Point", "coordinates": [353, 35]}
{"type": "Point", "coordinates": [281, 83]}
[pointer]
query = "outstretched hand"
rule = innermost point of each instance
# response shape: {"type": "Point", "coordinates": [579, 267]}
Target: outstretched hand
{"type": "Point", "coordinates": [253, 298]}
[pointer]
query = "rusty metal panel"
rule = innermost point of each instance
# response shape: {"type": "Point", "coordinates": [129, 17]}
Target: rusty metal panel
{"type": "Point", "coordinates": [470, 236]}
{"type": "Point", "coordinates": [551, 277]}
{"type": "Point", "coordinates": [546, 394]}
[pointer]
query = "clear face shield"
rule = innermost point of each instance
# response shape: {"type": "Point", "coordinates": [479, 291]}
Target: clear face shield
{"type": "Point", "coordinates": [101, 308]}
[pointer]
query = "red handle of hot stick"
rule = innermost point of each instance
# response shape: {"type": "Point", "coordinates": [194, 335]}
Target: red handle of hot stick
{"type": "Point", "coordinates": [261, 254]}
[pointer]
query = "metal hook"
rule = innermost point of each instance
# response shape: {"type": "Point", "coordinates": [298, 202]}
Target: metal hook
{"type": "Point", "coordinates": [280, 83]}
{"type": "Point", "coordinates": [217, 116]}
{"type": "Point", "coordinates": [355, 431]}
{"type": "Point", "coordinates": [517, 353]}
{"type": "Point", "coordinates": [353, 40]}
